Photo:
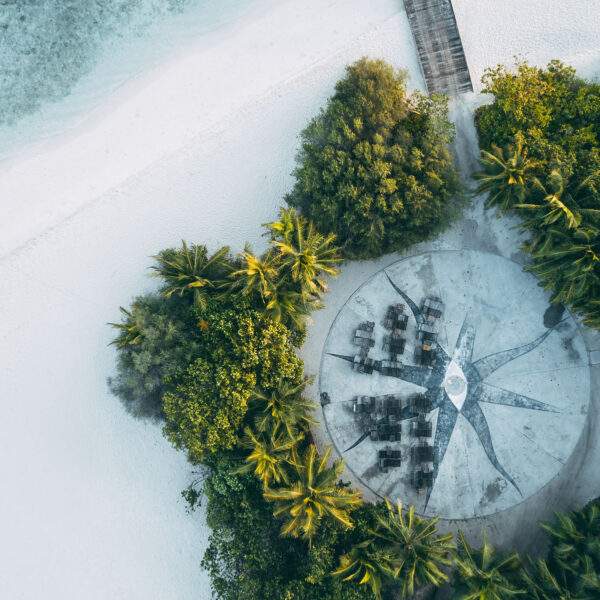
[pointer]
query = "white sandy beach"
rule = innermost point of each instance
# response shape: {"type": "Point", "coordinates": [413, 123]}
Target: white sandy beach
{"type": "Point", "coordinates": [200, 148]}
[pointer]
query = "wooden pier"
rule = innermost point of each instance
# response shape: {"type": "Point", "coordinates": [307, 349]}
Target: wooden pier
{"type": "Point", "coordinates": [439, 46]}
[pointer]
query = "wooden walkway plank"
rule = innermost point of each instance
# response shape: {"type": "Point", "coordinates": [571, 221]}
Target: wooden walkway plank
{"type": "Point", "coordinates": [439, 46]}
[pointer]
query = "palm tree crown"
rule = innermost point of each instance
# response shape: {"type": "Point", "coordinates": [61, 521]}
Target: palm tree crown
{"type": "Point", "coordinates": [270, 454]}
{"type": "Point", "coordinates": [481, 574]}
{"type": "Point", "coordinates": [557, 203]}
{"type": "Point", "coordinates": [505, 175]}
{"type": "Point", "coordinates": [305, 254]}
{"type": "Point", "coordinates": [283, 408]}
{"type": "Point", "coordinates": [130, 332]}
{"type": "Point", "coordinates": [367, 564]}
{"type": "Point", "coordinates": [314, 494]}
{"type": "Point", "coordinates": [191, 270]}
{"type": "Point", "coordinates": [417, 554]}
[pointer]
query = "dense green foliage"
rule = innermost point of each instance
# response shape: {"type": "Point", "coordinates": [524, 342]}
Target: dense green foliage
{"type": "Point", "coordinates": [213, 353]}
{"type": "Point", "coordinates": [483, 574]}
{"type": "Point", "coordinates": [402, 550]}
{"type": "Point", "coordinates": [157, 341]}
{"type": "Point", "coordinates": [240, 350]}
{"type": "Point", "coordinates": [313, 494]}
{"type": "Point", "coordinates": [540, 142]}
{"type": "Point", "coordinates": [248, 560]}
{"type": "Point", "coordinates": [374, 167]}
{"type": "Point", "coordinates": [556, 112]}
{"type": "Point", "coordinates": [287, 280]}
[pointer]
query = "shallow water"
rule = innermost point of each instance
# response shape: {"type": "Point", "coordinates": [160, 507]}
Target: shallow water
{"type": "Point", "coordinates": [60, 58]}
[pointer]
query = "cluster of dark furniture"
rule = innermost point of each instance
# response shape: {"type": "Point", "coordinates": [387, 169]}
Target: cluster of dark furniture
{"type": "Point", "coordinates": [432, 309]}
{"type": "Point", "coordinates": [380, 415]}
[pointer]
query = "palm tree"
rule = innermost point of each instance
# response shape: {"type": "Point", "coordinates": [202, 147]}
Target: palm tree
{"type": "Point", "coordinates": [131, 331]}
{"type": "Point", "coordinates": [558, 203]}
{"type": "Point", "coordinates": [506, 175]}
{"type": "Point", "coordinates": [541, 583]}
{"type": "Point", "coordinates": [417, 554]}
{"type": "Point", "coordinates": [567, 262]}
{"type": "Point", "coordinates": [589, 308]}
{"type": "Point", "coordinates": [283, 407]}
{"type": "Point", "coordinates": [191, 270]}
{"type": "Point", "coordinates": [575, 539]}
{"type": "Point", "coordinates": [288, 307]}
{"type": "Point", "coordinates": [366, 564]}
{"type": "Point", "coordinates": [483, 575]}
{"type": "Point", "coordinates": [270, 454]}
{"type": "Point", "coordinates": [257, 276]}
{"type": "Point", "coordinates": [304, 254]}
{"type": "Point", "coordinates": [314, 494]}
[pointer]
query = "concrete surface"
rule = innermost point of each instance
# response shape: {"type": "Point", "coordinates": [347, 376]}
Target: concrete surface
{"type": "Point", "coordinates": [503, 426]}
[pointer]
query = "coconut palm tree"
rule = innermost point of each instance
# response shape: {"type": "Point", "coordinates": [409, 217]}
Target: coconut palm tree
{"type": "Point", "coordinates": [130, 332]}
{"type": "Point", "coordinates": [191, 270]}
{"type": "Point", "coordinates": [481, 574]}
{"type": "Point", "coordinates": [314, 494]}
{"type": "Point", "coordinates": [366, 564]}
{"type": "Point", "coordinates": [257, 276]}
{"type": "Point", "coordinates": [575, 539]}
{"type": "Point", "coordinates": [284, 407]}
{"type": "Point", "coordinates": [567, 262]}
{"type": "Point", "coordinates": [286, 306]}
{"type": "Point", "coordinates": [417, 553]}
{"type": "Point", "coordinates": [557, 203]}
{"type": "Point", "coordinates": [304, 254]}
{"type": "Point", "coordinates": [506, 174]}
{"type": "Point", "coordinates": [542, 583]}
{"type": "Point", "coordinates": [270, 454]}
{"type": "Point", "coordinates": [589, 308]}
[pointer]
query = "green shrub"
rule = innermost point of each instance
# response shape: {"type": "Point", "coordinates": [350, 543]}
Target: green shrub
{"type": "Point", "coordinates": [158, 339]}
{"type": "Point", "coordinates": [246, 559]}
{"type": "Point", "coordinates": [240, 350]}
{"type": "Point", "coordinates": [374, 167]}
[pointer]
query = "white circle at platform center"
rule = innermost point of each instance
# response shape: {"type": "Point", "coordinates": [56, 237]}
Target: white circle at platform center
{"type": "Point", "coordinates": [455, 385]}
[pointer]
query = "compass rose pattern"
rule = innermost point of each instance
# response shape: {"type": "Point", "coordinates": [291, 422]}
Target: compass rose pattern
{"type": "Point", "coordinates": [461, 386]}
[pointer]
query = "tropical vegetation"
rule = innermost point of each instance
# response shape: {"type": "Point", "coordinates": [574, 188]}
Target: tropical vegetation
{"type": "Point", "coordinates": [212, 354]}
{"type": "Point", "coordinates": [540, 141]}
{"type": "Point", "coordinates": [374, 166]}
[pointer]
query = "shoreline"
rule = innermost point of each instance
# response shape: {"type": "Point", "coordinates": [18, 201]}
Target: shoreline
{"type": "Point", "coordinates": [148, 118]}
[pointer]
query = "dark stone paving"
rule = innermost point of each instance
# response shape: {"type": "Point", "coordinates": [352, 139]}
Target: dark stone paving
{"type": "Point", "coordinates": [439, 46]}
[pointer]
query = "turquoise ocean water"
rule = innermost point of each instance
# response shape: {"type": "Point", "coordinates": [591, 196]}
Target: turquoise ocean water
{"type": "Point", "coordinates": [60, 58]}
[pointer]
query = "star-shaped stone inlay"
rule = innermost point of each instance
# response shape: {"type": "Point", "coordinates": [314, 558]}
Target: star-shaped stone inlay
{"type": "Point", "coordinates": [455, 385]}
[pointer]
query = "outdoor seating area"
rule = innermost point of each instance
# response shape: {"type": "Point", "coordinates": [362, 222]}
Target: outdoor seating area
{"type": "Point", "coordinates": [394, 343]}
{"type": "Point", "coordinates": [424, 355]}
{"type": "Point", "coordinates": [363, 364]}
{"type": "Point", "coordinates": [380, 416]}
{"type": "Point", "coordinates": [419, 404]}
{"type": "Point", "coordinates": [432, 308]}
{"type": "Point", "coordinates": [364, 405]}
{"type": "Point", "coordinates": [386, 432]}
{"type": "Point", "coordinates": [422, 428]}
{"type": "Point", "coordinates": [423, 479]}
{"type": "Point", "coordinates": [395, 317]}
{"type": "Point", "coordinates": [422, 453]}
{"type": "Point", "coordinates": [389, 458]}
{"type": "Point", "coordinates": [391, 368]}
{"type": "Point", "coordinates": [427, 332]}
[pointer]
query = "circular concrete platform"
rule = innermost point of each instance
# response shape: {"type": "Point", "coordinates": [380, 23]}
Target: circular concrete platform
{"type": "Point", "coordinates": [506, 393]}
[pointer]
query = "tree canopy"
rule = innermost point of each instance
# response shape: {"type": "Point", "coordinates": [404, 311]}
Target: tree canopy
{"type": "Point", "coordinates": [240, 350]}
{"type": "Point", "coordinates": [374, 166]}
{"type": "Point", "coordinates": [541, 157]}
